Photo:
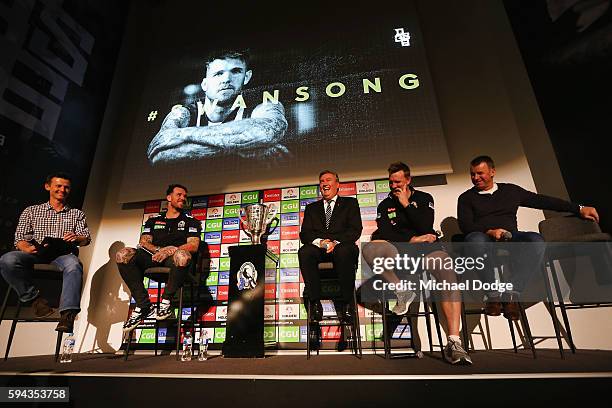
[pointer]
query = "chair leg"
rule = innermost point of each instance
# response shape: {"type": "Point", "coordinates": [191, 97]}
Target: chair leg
{"type": "Point", "coordinates": [527, 329]}
{"type": "Point", "coordinates": [385, 330]}
{"type": "Point", "coordinates": [434, 308]}
{"type": "Point", "coordinates": [356, 337]}
{"type": "Point", "coordinates": [4, 303]}
{"type": "Point", "coordinates": [58, 343]}
{"type": "Point", "coordinates": [568, 330]}
{"type": "Point", "coordinates": [428, 324]}
{"type": "Point", "coordinates": [179, 322]}
{"type": "Point", "coordinates": [513, 335]}
{"type": "Point", "coordinates": [127, 346]}
{"type": "Point", "coordinates": [550, 305]}
{"type": "Point", "coordinates": [157, 321]}
{"type": "Point", "coordinates": [12, 332]}
{"type": "Point", "coordinates": [464, 328]}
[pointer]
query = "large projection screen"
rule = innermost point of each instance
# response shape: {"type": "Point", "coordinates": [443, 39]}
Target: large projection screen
{"type": "Point", "coordinates": [284, 95]}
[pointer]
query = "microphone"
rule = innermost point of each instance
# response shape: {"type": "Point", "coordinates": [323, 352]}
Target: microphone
{"type": "Point", "coordinates": [506, 236]}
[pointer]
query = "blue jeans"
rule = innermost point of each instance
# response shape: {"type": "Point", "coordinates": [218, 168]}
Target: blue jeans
{"type": "Point", "coordinates": [523, 265]}
{"type": "Point", "coordinates": [16, 268]}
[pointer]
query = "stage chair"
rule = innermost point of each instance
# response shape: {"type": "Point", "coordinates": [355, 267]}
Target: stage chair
{"type": "Point", "coordinates": [327, 273]}
{"type": "Point", "coordinates": [160, 274]}
{"type": "Point", "coordinates": [501, 263]}
{"type": "Point", "coordinates": [429, 308]}
{"type": "Point", "coordinates": [41, 271]}
{"type": "Point", "coordinates": [570, 229]}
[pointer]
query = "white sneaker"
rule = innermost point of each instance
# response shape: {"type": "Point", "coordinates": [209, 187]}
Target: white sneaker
{"type": "Point", "coordinates": [404, 298]}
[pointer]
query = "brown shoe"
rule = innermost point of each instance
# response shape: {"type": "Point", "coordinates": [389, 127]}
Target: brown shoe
{"type": "Point", "coordinates": [493, 306]}
{"type": "Point", "coordinates": [511, 306]}
{"type": "Point", "coordinates": [66, 323]}
{"type": "Point", "coordinates": [41, 307]}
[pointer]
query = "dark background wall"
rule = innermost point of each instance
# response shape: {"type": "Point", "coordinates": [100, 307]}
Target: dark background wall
{"type": "Point", "coordinates": [58, 61]}
{"type": "Point", "coordinates": [568, 55]}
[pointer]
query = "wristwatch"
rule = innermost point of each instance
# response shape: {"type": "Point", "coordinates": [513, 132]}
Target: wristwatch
{"type": "Point", "coordinates": [157, 249]}
{"type": "Point", "coordinates": [580, 207]}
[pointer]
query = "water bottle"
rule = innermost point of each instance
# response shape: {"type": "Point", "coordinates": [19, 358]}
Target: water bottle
{"type": "Point", "coordinates": [66, 356]}
{"type": "Point", "coordinates": [187, 341]}
{"type": "Point", "coordinates": [203, 355]}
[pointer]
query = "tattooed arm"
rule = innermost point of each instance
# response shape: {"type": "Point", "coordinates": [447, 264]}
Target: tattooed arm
{"type": "Point", "coordinates": [261, 132]}
{"type": "Point", "coordinates": [192, 245]}
{"type": "Point", "coordinates": [146, 241]}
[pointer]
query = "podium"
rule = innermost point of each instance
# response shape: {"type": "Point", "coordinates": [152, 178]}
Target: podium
{"type": "Point", "coordinates": [245, 313]}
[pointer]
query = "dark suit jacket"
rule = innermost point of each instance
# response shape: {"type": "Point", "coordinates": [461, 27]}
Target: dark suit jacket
{"type": "Point", "coordinates": [344, 226]}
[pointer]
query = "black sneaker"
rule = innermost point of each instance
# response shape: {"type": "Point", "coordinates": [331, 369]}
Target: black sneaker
{"type": "Point", "coordinates": [137, 316]}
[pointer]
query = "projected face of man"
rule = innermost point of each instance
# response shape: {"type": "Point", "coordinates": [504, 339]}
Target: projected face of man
{"type": "Point", "coordinates": [482, 176]}
{"type": "Point", "coordinates": [224, 80]}
{"type": "Point", "coordinates": [329, 184]}
{"type": "Point", "coordinates": [177, 198]}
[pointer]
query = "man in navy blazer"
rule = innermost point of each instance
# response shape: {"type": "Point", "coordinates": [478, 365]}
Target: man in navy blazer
{"type": "Point", "coordinates": [329, 231]}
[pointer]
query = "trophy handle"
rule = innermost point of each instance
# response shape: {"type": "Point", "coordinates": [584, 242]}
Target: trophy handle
{"type": "Point", "coordinates": [271, 227]}
{"type": "Point", "coordinates": [270, 214]}
{"type": "Point", "coordinates": [243, 223]}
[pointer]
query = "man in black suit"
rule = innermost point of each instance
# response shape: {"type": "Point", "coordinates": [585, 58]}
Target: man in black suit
{"type": "Point", "coordinates": [329, 231]}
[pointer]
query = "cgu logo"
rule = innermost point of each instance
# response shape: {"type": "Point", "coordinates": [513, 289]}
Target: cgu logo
{"type": "Point", "coordinates": [249, 196]}
{"type": "Point", "coordinates": [293, 334]}
{"type": "Point", "coordinates": [147, 335]}
{"type": "Point", "coordinates": [269, 335]}
{"type": "Point", "coordinates": [291, 206]}
{"type": "Point", "coordinates": [309, 191]}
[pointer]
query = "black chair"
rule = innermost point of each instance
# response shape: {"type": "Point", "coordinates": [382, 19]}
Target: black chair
{"type": "Point", "coordinates": [429, 308]}
{"type": "Point", "coordinates": [570, 229]}
{"type": "Point", "coordinates": [500, 262]}
{"type": "Point", "coordinates": [328, 274]}
{"type": "Point", "coordinates": [160, 274]}
{"type": "Point", "coordinates": [41, 271]}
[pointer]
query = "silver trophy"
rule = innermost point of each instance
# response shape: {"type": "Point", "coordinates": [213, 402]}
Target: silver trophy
{"type": "Point", "coordinates": [255, 219]}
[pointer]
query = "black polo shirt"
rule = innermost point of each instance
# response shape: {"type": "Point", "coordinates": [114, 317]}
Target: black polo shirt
{"type": "Point", "coordinates": [172, 231]}
{"type": "Point", "coordinates": [397, 223]}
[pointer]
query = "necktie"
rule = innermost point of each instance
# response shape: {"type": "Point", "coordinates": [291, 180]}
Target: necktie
{"type": "Point", "coordinates": [328, 213]}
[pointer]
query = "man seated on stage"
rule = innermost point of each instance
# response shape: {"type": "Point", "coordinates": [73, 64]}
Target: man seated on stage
{"type": "Point", "coordinates": [329, 231]}
{"type": "Point", "coordinates": [49, 233]}
{"type": "Point", "coordinates": [407, 216]}
{"type": "Point", "coordinates": [487, 213]}
{"type": "Point", "coordinates": [169, 239]}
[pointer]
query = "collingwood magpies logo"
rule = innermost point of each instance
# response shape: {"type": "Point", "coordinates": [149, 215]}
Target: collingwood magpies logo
{"type": "Point", "coordinates": [246, 277]}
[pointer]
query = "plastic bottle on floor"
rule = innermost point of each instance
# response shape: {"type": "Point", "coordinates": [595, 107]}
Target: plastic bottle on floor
{"type": "Point", "coordinates": [187, 345]}
{"type": "Point", "coordinates": [203, 354]}
{"type": "Point", "coordinates": [66, 356]}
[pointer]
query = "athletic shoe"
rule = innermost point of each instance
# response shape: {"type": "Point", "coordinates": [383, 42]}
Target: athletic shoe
{"type": "Point", "coordinates": [404, 298]}
{"type": "Point", "coordinates": [137, 316]}
{"type": "Point", "coordinates": [165, 310]}
{"type": "Point", "coordinates": [455, 353]}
